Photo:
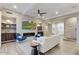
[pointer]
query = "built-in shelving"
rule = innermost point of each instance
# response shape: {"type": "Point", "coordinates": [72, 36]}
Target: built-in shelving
{"type": "Point", "coordinates": [8, 26]}
{"type": "Point", "coordinates": [8, 29]}
{"type": "Point", "coordinates": [8, 32]}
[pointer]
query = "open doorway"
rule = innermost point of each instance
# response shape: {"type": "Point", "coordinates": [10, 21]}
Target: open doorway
{"type": "Point", "coordinates": [58, 29]}
{"type": "Point", "coordinates": [66, 28]}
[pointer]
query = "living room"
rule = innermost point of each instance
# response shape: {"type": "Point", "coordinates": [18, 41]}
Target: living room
{"type": "Point", "coordinates": [58, 30]}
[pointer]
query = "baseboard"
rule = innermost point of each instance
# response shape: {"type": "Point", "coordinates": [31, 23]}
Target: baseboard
{"type": "Point", "coordinates": [9, 41]}
{"type": "Point", "coordinates": [69, 39]}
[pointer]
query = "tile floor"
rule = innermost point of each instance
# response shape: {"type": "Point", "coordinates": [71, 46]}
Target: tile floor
{"type": "Point", "coordinates": [23, 48]}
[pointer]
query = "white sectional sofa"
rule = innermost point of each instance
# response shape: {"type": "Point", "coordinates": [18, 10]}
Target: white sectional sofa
{"type": "Point", "coordinates": [49, 42]}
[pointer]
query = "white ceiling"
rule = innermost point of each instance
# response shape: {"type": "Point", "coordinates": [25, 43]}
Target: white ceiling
{"type": "Point", "coordinates": [21, 7]}
{"type": "Point", "coordinates": [49, 8]}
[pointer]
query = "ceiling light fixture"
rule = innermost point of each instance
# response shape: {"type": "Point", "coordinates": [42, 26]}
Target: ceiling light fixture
{"type": "Point", "coordinates": [15, 6]}
{"type": "Point", "coordinates": [57, 12]}
{"type": "Point", "coordinates": [8, 21]}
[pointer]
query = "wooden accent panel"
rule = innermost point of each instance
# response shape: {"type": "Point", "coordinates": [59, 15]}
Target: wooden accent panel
{"type": "Point", "coordinates": [8, 36]}
{"type": "Point", "coordinates": [32, 34]}
{"type": "Point", "coordinates": [28, 34]}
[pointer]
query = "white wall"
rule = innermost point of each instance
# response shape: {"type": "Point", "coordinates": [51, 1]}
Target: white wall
{"type": "Point", "coordinates": [70, 27]}
{"type": "Point", "coordinates": [77, 32]}
{"type": "Point", "coordinates": [54, 30]}
{"type": "Point", "coordinates": [18, 24]}
{"type": "Point", "coordinates": [0, 28]}
{"type": "Point", "coordinates": [19, 20]}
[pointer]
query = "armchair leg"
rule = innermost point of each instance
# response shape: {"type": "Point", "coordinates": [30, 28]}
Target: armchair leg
{"type": "Point", "coordinates": [41, 53]}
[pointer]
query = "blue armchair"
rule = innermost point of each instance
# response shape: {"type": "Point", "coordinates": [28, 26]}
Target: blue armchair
{"type": "Point", "coordinates": [20, 38]}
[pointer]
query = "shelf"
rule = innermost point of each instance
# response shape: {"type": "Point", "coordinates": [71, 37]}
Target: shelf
{"type": "Point", "coordinates": [8, 26]}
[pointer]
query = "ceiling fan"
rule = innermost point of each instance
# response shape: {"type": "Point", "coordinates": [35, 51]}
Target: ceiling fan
{"type": "Point", "coordinates": [41, 13]}
{"type": "Point", "coordinates": [41, 16]}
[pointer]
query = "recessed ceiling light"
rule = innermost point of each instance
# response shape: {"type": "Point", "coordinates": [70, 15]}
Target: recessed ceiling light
{"type": "Point", "coordinates": [8, 21]}
{"type": "Point", "coordinates": [57, 12]}
{"type": "Point", "coordinates": [38, 24]}
{"type": "Point", "coordinates": [14, 6]}
{"type": "Point", "coordinates": [38, 15]}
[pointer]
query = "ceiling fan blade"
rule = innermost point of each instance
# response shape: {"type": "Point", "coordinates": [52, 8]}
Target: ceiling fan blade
{"type": "Point", "coordinates": [43, 13]}
{"type": "Point", "coordinates": [38, 11]}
